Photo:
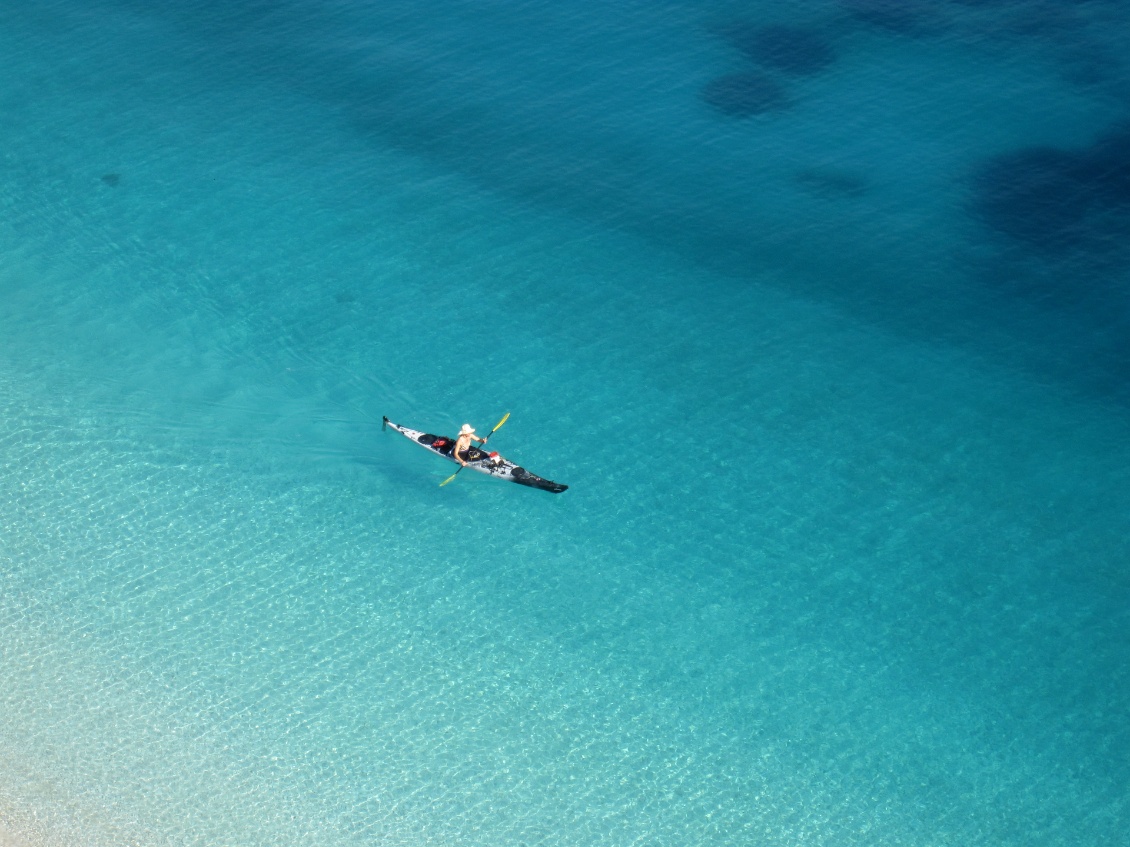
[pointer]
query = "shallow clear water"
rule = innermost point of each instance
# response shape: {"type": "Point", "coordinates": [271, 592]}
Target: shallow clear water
{"type": "Point", "coordinates": [838, 387]}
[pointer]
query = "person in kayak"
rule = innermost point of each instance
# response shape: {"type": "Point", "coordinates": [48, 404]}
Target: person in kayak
{"type": "Point", "coordinates": [463, 442]}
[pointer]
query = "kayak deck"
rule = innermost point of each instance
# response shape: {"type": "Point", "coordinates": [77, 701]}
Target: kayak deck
{"type": "Point", "coordinates": [490, 464]}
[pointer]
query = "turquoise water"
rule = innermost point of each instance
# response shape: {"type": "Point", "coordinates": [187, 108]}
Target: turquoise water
{"type": "Point", "coordinates": [836, 375]}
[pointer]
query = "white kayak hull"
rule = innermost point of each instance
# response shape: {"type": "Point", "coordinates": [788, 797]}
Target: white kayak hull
{"type": "Point", "coordinates": [490, 464]}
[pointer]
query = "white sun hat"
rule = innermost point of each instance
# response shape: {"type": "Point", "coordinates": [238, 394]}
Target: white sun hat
{"type": "Point", "coordinates": [467, 430]}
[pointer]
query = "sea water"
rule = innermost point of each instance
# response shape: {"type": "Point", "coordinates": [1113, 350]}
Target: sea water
{"type": "Point", "coordinates": [819, 309]}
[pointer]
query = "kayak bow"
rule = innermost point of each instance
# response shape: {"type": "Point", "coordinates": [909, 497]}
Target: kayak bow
{"type": "Point", "coordinates": [490, 464]}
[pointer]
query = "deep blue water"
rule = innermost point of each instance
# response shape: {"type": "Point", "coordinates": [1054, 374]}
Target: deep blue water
{"type": "Point", "coordinates": [821, 312]}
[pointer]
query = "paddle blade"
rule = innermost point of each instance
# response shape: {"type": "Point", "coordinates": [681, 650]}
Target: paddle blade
{"type": "Point", "coordinates": [446, 481]}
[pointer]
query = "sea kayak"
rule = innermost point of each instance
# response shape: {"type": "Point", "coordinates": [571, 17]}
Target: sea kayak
{"type": "Point", "coordinates": [491, 464]}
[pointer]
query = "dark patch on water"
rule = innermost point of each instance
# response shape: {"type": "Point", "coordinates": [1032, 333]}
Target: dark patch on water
{"type": "Point", "coordinates": [1022, 7]}
{"type": "Point", "coordinates": [1056, 200]}
{"type": "Point", "coordinates": [1053, 21]}
{"type": "Point", "coordinates": [742, 95]}
{"type": "Point", "coordinates": [113, 180]}
{"type": "Point", "coordinates": [1106, 166]}
{"type": "Point", "coordinates": [788, 49]}
{"type": "Point", "coordinates": [830, 184]}
{"type": "Point", "coordinates": [1033, 196]}
{"type": "Point", "coordinates": [1091, 66]}
{"type": "Point", "coordinates": [345, 297]}
{"type": "Point", "coordinates": [418, 109]}
{"type": "Point", "coordinates": [905, 17]}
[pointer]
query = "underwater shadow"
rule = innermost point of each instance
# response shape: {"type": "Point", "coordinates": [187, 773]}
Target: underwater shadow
{"type": "Point", "coordinates": [789, 49]}
{"type": "Point", "coordinates": [744, 94]}
{"type": "Point", "coordinates": [1054, 200]}
{"type": "Point", "coordinates": [1030, 198]}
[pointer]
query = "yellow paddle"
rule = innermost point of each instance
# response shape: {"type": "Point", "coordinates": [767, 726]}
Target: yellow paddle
{"type": "Point", "coordinates": [497, 426]}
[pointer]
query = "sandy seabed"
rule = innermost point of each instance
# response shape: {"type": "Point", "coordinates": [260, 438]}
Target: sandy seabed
{"type": "Point", "coordinates": [18, 830]}
{"type": "Point", "coordinates": [57, 823]}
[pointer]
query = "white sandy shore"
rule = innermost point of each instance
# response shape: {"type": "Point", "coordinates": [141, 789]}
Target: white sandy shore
{"type": "Point", "coordinates": [12, 838]}
{"type": "Point", "coordinates": [21, 831]}
{"type": "Point", "coordinates": [21, 828]}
